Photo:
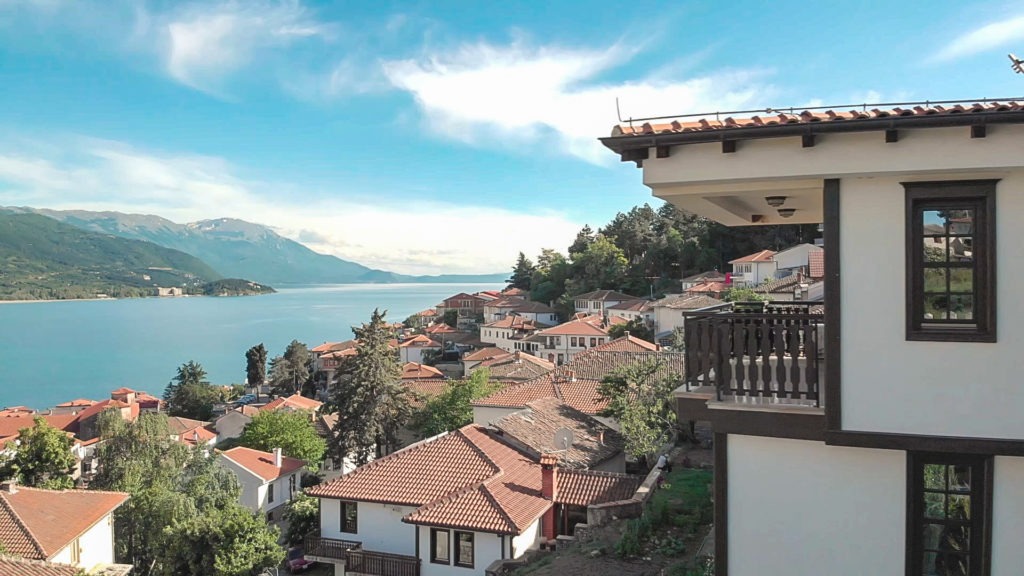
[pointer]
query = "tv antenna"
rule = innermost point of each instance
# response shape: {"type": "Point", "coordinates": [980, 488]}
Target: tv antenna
{"type": "Point", "coordinates": [563, 440]}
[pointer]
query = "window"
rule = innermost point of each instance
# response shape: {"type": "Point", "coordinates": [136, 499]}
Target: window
{"type": "Point", "coordinates": [561, 359]}
{"type": "Point", "coordinates": [76, 551]}
{"type": "Point", "coordinates": [270, 493]}
{"type": "Point", "coordinates": [948, 514]}
{"type": "Point", "coordinates": [464, 549]}
{"type": "Point", "coordinates": [291, 486]}
{"type": "Point", "coordinates": [572, 341]}
{"type": "Point", "coordinates": [593, 342]}
{"type": "Point", "coordinates": [440, 551]}
{"type": "Point", "coordinates": [349, 517]}
{"type": "Point", "coordinates": [951, 261]}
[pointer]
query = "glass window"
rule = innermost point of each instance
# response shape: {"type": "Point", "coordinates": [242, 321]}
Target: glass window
{"type": "Point", "coordinates": [349, 517]}
{"type": "Point", "coordinates": [951, 261]}
{"type": "Point", "coordinates": [270, 493]}
{"type": "Point", "coordinates": [947, 515]}
{"type": "Point", "coordinates": [464, 549]}
{"type": "Point", "coordinates": [440, 550]}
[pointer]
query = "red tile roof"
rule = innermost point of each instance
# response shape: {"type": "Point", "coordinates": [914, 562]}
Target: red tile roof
{"type": "Point", "coordinates": [575, 328]}
{"type": "Point", "coordinates": [76, 403]}
{"type": "Point", "coordinates": [440, 329]}
{"type": "Point", "coordinates": [293, 402]}
{"type": "Point", "coordinates": [875, 118]}
{"type": "Point", "coordinates": [102, 405]}
{"type": "Point", "coordinates": [123, 390]}
{"type": "Point", "coordinates": [514, 322]}
{"type": "Point", "coordinates": [36, 523]}
{"type": "Point", "coordinates": [632, 306]}
{"type": "Point", "coordinates": [426, 388]}
{"type": "Point", "coordinates": [12, 424]}
{"type": "Point", "coordinates": [708, 287]}
{"type": "Point", "coordinates": [816, 264]}
{"type": "Point", "coordinates": [514, 292]}
{"type": "Point", "coordinates": [412, 370]}
{"type": "Point", "coordinates": [535, 426]}
{"type": "Point", "coordinates": [582, 488]}
{"type": "Point", "coordinates": [518, 366]}
{"type": "Point", "coordinates": [762, 256]}
{"type": "Point", "coordinates": [197, 436]}
{"type": "Point", "coordinates": [334, 346]}
{"type": "Point", "coordinates": [605, 295]}
{"type": "Point", "coordinates": [628, 343]}
{"type": "Point", "coordinates": [177, 424]}
{"type": "Point", "coordinates": [420, 341]}
{"type": "Point", "coordinates": [687, 302]}
{"type": "Point", "coordinates": [261, 463]}
{"type": "Point", "coordinates": [485, 354]}
{"type": "Point", "coordinates": [427, 312]}
{"type": "Point", "coordinates": [14, 566]}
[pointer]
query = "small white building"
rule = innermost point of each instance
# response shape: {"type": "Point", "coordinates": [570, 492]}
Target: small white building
{"type": "Point", "coordinates": [632, 310]}
{"type": "Point", "coordinates": [795, 259]}
{"type": "Point", "coordinates": [509, 333]}
{"type": "Point", "coordinates": [268, 479]}
{"type": "Point", "coordinates": [560, 344]}
{"type": "Point", "coordinates": [412, 349]}
{"type": "Point", "coordinates": [73, 527]}
{"type": "Point", "coordinates": [669, 312]}
{"type": "Point", "coordinates": [752, 269]}
{"type": "Point", "coordinates": [598, 301]}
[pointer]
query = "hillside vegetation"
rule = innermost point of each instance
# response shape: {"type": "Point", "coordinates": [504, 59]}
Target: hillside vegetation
{"type": "Point", "coordinates": [41, 258]}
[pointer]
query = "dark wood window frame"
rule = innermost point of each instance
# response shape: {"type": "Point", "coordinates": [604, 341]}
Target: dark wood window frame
{"type": "Point", "coordinates": [457, 552]}
{"type": "Point", "coordinates": [349, 520]}
{"type": "Point", "coordinates": [977, 195]}
{"type": "Point", "coordinates": [434, 558]}
{"type": "Point", "coordinates": [980, 506]}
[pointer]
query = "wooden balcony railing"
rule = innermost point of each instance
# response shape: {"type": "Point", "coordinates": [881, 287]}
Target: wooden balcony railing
{"type": "Point", "coordinates": [328, 548]}
{"type": "Point", "coordinates": [357, 561]}
{"type": "Point", "coordinates": [773, 353]}
{"type": "Point", "coordinates": [367, 563]}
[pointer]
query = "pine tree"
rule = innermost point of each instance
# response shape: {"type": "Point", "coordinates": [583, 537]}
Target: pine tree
{"type": "Point", "coordinates": [368, 395]}
{"type": "Point", "coordinates": [256, 367]}
{"type": "Point", "coordinates": [522, 273]}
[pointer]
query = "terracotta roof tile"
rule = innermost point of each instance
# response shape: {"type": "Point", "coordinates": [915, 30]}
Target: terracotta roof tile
{"type": "Point", "coordinates": [261, 463]}
{"type": "Point", "coordinates": [584, 327]}
{"type": "Point", "coordinates": [177, 424]}
{"type": "Point", "coordinates": [583, 488]}
{"type": "Point", "coordinates": [514, 322]}
{"type": "Point", "coordinates": [712, 275]}
{"type": "Point", "coordinates": [14, 566]}
{"type": "Point", "coordinates": [334, 346]}
{"type": "Point", "coordinates": [632, 306]}
{"type": "Point", "coordinates": [440, 329]}
{"type": "Point", "coordinates": [485, 354]}
{"type": "Point", "coordinates": [518, 366]}
{"type": "Point", "coordinates": [293, 402]}
{"type": "Point", "coordinates": [416, 370]}
{"type": "Point", "coordinates": [762, 256]}
{"type": "Point", "coordinates": [12, 424]}
{"type": "Point", "coordinates": [535, 427]}
{"type": "Point", "coordinates": [36, 523]}
{"type": "Point", "coordinates": [687, 302]}
{"type": "Point", "coordinates": [426, 388]}
{"type": "Point", "coordinates": [420, 341]}
{"type": "Point", "coordinates": [628, 343]}
{"type": "Point", "coordinates": [816, 264]}
{"type": "Point", "coordinates": [707, 287]}
{"type": "Point", "coordinates": [80, 402]}
{"type": "Point", "coordinates": [197, 436]}
{"type": "Point", "coordinates": [778, 285]}
{"type": "Point", "coordinates": [605, 295]}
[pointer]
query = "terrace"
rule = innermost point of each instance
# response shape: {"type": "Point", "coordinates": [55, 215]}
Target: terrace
{"type": "Point", "coordinates": [359, 562]}
{"type": "Point", "coordinates": [758, 354]}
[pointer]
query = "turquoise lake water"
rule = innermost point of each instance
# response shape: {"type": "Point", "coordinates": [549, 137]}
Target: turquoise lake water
{"type": "Point", "coordinates": [51, 352]}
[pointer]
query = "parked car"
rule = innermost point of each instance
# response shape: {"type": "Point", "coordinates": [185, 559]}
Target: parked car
{"type": "Point", "coordinates": [297, 561]}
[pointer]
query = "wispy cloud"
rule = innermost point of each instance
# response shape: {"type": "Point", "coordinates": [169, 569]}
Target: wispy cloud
{"type": "Point", "coordinates": [203, 44]}
{"type": "Point", "coordinates": [988, 37]}
{"type": "Point", "coordinates": [483, 93]}
{"type": "Point", "coordinates": [93, 174]}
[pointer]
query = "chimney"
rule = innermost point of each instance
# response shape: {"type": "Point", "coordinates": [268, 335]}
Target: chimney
{"type": "Point", "coordinates": [277, 457]}
{"type": "Point", "coordinates": [549, 489]}
{"type": "Point", "coordinates": [516, 357]}
{"type": "Point", "coordinates": [626, 333]}
{"type": "Point", "coordinates": [9, 486]}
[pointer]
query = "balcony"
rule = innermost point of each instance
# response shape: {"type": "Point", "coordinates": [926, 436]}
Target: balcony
{"type": "Point", "coordinates": [359, 562]}
{"type": "Point", "coordinates": [757, 353]}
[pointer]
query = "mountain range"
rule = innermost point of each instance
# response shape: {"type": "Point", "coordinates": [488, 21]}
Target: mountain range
{"type": "Point", "coordinates": [239, 249]}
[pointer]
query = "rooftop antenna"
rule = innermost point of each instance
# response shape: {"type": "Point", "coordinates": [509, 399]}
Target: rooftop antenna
{"type": "Point", "coordinates": [563, 440]}
{"type": "Point", "coordinates": [1016, 63]}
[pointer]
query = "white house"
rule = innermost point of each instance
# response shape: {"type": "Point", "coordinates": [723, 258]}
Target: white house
{"type": "Point", "coordinates": [412, 349]}
{"type": "Point", "coordinates": [509, 333]}
{"type": "Point", "coordinates": [451, 505]}
{"type": "Point", "coordinates": [598, 301]}
{"type": "Point", "coordinates": [73, 527]}
{"type": "Point", "coordinates": [268, 479]}
{"type": "Point", "coordinates": [900, 448]}
{"type": "Point", "coordinates": [562, 343]}
{"type": "Point", "coordinates": [669, 312]}
{"type": "Point", "coordinates": [794, 259]}
{"type": "Point", "coordinates": [632, 310]}
{"type": "Point", "coordinates": [752, 269]}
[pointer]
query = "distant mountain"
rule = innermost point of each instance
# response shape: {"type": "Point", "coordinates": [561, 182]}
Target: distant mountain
{"type": "Point", "coordinates": [42, 258]}
{"type": "Point", "coordinates": [242, 249]}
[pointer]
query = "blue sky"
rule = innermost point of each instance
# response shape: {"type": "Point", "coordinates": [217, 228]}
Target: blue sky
{"type": "Point", "coordinates": [428, 137]}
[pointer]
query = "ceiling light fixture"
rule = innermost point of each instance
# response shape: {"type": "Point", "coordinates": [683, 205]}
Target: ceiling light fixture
{"type": "Point", "coordinates": [775, 201]}
{"type": "Point", "coordinates": [786, 212]}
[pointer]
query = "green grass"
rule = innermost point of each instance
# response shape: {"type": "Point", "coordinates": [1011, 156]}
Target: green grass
{"type": "Point", "coordinates": [676, 512]}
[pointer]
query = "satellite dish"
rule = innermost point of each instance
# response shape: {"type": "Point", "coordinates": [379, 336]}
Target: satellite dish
{"type": "Point", "coordinates": [563, 439]}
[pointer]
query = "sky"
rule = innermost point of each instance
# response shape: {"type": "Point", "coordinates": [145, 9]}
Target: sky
{"type": "Point", "coordinates": [432, 137]}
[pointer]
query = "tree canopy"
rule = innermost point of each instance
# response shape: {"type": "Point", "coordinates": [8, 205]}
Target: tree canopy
{"type": "Point", "coordinates": [292, 432]}
{"type": "Point", "coordinates": [290, 371]}
{"type": "Point", "coordinates": [189, 394]}
{"type": "Point", "coordinates": [636, 327]}
{"type": "Point", "coordinates": [452, 409]}
{"type": "Point", "coordinates": [42, 458]}
{"type": "Point", "coordinates": [368, 395]}
{"type": "Point", "coordinates": [256, 366]}
{"type": "Point", "coordinates": [640, 398]}
{"type": "Point", "coordinates": [522, 273]}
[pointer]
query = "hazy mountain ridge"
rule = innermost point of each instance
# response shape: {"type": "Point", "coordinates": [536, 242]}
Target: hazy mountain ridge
{"type": "Point", "coordinates": [237, 248]}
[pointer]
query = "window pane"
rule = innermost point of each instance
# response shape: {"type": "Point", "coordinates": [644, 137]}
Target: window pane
{"type": "Point", "coordinates": [961, 280]}
{"type": "Point", "coordinates": [933, 222]}
{"type": "Point", "coordinates": [928, 568]}
{"type": "Point", "coordinates": [936, 307]}
{"type": "Point", "coordinates": [959, 507]}
{"type": "Point", "coordinates": [960, 249]}
{"type": "Point", "coordinates": [930, 536]}
{"type": "Point", "coordinates": [934, 505]}
{"type": "Point", "coordinates": [960, 221]}
{"type": "Point", "coordinates": [952, 565]}
{"type": "Point", "coordinates": [465, 550]}
{"type": "Point", "coordinates": [956, 539]}
{"type": "Point", "coordinates": [961, 307]}
{"type": "Point", "coordinates": [935, 476]}
{"type": "Point", "coordinates": [959, 478]}
{"type": "Point", "coordinates": [933, 250]}
{"type": "Point", "coordinates": [935, 279]}
{"type": "Point", "coordinates": [441, 545]}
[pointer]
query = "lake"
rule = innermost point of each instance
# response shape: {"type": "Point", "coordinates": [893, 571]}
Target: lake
{"type": "Point", "coordinates": [52, 352]}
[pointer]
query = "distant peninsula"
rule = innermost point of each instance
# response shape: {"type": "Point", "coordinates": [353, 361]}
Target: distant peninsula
{"type": "Point", "coordinates": [239, 249]}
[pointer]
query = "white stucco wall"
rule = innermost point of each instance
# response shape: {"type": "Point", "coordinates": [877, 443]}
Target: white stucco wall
{"type": "Point", "coordinates": [96, 546]}
{"type": "Point", "coordinates": [801, 508]}
{"type": "Point", "coordinates": [795, 257]}
{"type": "Point", "coordinates": [486, 549]}
{"type": "Point", "coordinates": [252, 494]}
{"type": "Point", "coordinates": [940, 388]}
{"type": "Point", "coordinates": [528, 540]}
{"type": "Point", "coordinates": [1008, 516]}
{"type": "Point", "coordinates": [380, 526]}
{"type": "Point", "coordinates": [484, 415]}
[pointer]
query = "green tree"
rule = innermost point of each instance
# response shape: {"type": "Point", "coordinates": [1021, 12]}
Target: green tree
{"type": "Point", "coordinates": [221, 542]}
{"type": "Point", "coordinates": [549, 276]}
{"type": "Point", "coordinates": [602, 266]}
{"type": "Point", "coordinates": [290, 371]}
{"type": "Point", "coordinates": [302, 517]}
{"type": "Point", "coordinates": [256, 367]}
{"type": "Point", "coordinates": [452, 409]}
{"type": "Point", "coordinates": [636, 327]}
{"type": "Point", "coordinates": [42, 458]}
{"type": "Point", "coordinates": [451, 318]}
{"type": "Point", "coordinates": [742, 295]}
{"type": "Point", "coordinates": [522, 273]}
{"type": "Point", "coordinates": [190, 394]}
{"type": "Point", "coordinates": [640, 399]}
{"type": "Point", "coordinates": [583, 240]}
{"type": "Point", "coordinates": [292, 432]}
{"type": "Point", "coordinates": [371, 403]}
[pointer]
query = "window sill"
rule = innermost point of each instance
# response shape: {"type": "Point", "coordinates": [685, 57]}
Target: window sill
{"type": "Point", "coordinates": [951, 336]}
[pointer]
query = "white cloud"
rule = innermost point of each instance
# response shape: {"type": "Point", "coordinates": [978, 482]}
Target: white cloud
{"type": "Point", "coordinates": [482, 93]}
{"type": "Point", "coordinates": [203, 44]}
{"type": "Point", "coordinates": [987, 37]}
{"type": "Point", "coordinates": [405, 237]}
